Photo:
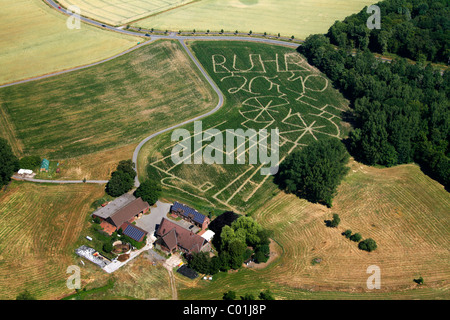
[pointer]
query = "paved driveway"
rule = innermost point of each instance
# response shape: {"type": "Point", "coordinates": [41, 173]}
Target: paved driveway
{"type": "Point", "coordinates": [149, 222]}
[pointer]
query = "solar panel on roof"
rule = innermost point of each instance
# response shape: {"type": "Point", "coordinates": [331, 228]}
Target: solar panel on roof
{"type": "Point", "coordinates": [197, 216]}
{"type": "Point", "coordinates": [133, 232]}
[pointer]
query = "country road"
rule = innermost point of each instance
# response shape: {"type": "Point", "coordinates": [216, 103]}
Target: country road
{"type": "Point", "coordinates": [16, 177]}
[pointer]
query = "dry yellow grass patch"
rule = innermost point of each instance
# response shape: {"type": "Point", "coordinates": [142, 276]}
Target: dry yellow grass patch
{"type": "Point", "coordinates": [141, 280]}
{"type": "Point", "coordinates": [95, 166]}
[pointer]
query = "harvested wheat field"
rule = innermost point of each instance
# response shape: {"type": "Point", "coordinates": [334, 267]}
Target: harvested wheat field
{"type": "Point", "coordinates": [139, 279]}
{"type": "Point", "coordinates": [35, 40]}
{"type": "Point", "coordinates": [403, 210]}
{"type": "Point", "coordinates": [117, 12]}
{"type": "Point", "coordinates": [39, 225]}
{"type": "Point", "coordinates": [287, 17]}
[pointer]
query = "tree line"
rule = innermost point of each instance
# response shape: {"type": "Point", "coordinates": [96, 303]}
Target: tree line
{"type": "Point", "coordinates": [400, 111]}
{"type": "Point", "coordinates": [9, 163]}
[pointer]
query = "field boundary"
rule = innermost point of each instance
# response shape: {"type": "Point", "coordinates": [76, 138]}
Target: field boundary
{"type": "Point", "coordinates": [142, 16]}
{"type": "Point", "coordinates": [164, 11]}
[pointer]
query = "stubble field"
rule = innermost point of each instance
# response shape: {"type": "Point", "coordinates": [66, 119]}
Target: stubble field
{"type": "Point", "coordinates": [111, 105]}
{"type": "Point", "coordinates": [39, 225]}
{"type": "Point", "coordinates": [403, 210]}
{"type": "Point", "coordinates": [35, 40]}
{"type": "Point", "coordinates": [287, 17]}
{"type": "Point", "coordinates": [123, 11]}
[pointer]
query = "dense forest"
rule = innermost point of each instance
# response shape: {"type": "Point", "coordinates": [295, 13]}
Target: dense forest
{"type": "Point", "coordinates": [414, 29]}
{"type": "Point", "coordinates": [400, 111]}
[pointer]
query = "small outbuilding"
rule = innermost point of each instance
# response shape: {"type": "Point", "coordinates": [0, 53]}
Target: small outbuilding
{"type": "Point", "coordinates": [187, 272]}
{"type": "Point", "coordinates": [25, 172]}
{"type": "Point", "coordinates": [208, 235]}
{"type": "Point", "coordinates": [134, 232]}
{"type": "Point", "coordinates": [45, 165]}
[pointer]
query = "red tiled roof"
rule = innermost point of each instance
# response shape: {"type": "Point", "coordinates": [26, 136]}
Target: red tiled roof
{"type": "Point", "coordinates": [174, 235]}
{"type": "Point", "coordinates": [107, 227]}
{"type": "Point", "coordinates": [128, 212]}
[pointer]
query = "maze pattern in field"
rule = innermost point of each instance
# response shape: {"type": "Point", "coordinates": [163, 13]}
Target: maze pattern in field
{"type": "Point", "coordinates": [281, 92]}
{"type": "Point", "coordinates": [119, 12]}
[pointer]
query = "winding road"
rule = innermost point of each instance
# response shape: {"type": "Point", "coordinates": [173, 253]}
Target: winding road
{"type": "Point", "coordinates": [152, 38]}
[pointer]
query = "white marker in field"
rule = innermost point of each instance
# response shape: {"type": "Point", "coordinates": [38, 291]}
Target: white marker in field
{"type": "Point", "coordinates": [74, 281]}
{"type": "Point", "coordinates": [74, 21]}
{"type": "Point", "coordinates": [374, 281]}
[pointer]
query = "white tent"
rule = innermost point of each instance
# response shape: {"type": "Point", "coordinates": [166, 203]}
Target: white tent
{"type": "Point", "coordinates": [208, 235]}
{"type": "Point", "coordinates": [25, 171]}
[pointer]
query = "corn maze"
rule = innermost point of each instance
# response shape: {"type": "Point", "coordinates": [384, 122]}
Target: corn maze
{"type": "Point", "coordinates": [264, 89]}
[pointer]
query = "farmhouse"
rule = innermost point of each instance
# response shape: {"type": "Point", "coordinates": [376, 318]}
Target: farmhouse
{"type": "Point", "coordinates": [120, 213]}
{"type": "Point", "coordinates": [189, 214]}
{"type": "Point", "coordinates": [171, 237]}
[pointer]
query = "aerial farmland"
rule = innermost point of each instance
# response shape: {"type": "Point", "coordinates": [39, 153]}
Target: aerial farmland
{"type": "Point", "coordinates": [224, 150]}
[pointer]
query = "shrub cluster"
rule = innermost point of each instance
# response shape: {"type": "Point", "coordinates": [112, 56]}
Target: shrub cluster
{"type": "Point", "coordinates": [368, 244]}
{"type": "Point", "coordinates": [236, 242]}
{"type": "Point", "coordinates": [122, 180]}
{"type": "Point", "coordinates": [263, 295]}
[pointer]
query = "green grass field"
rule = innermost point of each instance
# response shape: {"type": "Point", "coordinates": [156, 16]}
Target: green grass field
{"type": "Point", "coordinates": [278, 89]}
{"type": "Point", "coordinates": [122, 11]}
{"type": "Point", "coordinates": [287, 17]}
{"type": "Point", "coordinates": [113, 104]}
{"type": "Point", "coordinates": [35, 40]}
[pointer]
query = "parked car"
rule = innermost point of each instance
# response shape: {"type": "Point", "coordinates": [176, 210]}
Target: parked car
{"type": "Point", "coordinates": [191, 226]}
